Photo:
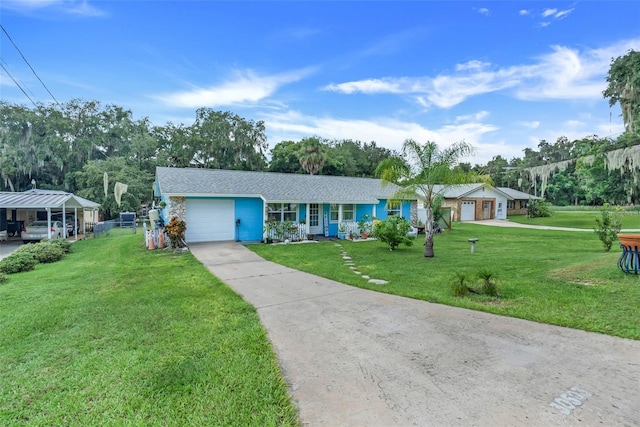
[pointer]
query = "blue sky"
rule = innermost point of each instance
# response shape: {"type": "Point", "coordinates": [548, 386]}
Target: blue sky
{"type": "Point", "coordinates": [501, 75]}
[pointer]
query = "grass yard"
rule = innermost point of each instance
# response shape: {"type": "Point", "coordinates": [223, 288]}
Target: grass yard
{"type": "Point", "coordinates": [117, 335]}
{"type": "Point", "coordinates": [555, 277]}
{"type": "Point", "coordinates": [576, 219]}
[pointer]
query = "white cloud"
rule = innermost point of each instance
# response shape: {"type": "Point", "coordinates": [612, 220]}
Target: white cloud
{"type": "Point", "coordinates": [554, 14]}
{"type": "Point", "coordinates": [564, 73]}
{"type": "Point", "coordinates": [479, 116]}
{"type": "Point", "coordinates": [531, 125]}
{"type": "Point", "coordinates": [524, 12]}
{"type": "Point", "coordinates": [369, 86]}
{"type": "Point", "coordinates": [569, 73]}
{"type": "Point", "coordinates": [82, 8]}
{"type": "Point", "coordinates": [574, 124]}
{"type": "Point", "coordinates": [245, 87]}
{"type": "Point", "coordinates": [388, 133]}
{"type": "Point", "coordinates": [484, 11]}
{"type": "Point", "coordinates": [472, 65]}
{"type": "Point", "coordinates": [563, 13]}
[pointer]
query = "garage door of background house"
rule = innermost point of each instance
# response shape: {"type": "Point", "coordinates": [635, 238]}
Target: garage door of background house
{"type": "Point", "coordinates": [210, 220]}
{"type": "Point", "coordinates": [468, 211]}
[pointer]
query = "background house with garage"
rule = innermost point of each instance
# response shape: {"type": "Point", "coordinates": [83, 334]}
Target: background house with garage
{"type": "Point", "coordinates": [476, 202]}
{"type": "Point", "coordinates": [220, 205]}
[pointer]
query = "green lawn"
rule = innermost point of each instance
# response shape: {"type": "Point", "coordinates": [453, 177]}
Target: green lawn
{"type": "Point", "coordinates": [117, 335]}
{"type": "Point", "coordinates": [576, 219]}
{"type": "Point", "coordinates": [555, 277]}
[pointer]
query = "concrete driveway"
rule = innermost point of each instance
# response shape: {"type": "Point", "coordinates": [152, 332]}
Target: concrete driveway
{"type": "Point", "coordinates": [354, 357]}
{"type": "Point", "coordinates": [7, 247]}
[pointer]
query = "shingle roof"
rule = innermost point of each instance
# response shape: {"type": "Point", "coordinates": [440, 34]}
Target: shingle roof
{"type": "Point", "coordinates": [271, 186]}
{"type": "Point", "coordinates": [517, 195]}
{"type": "Point", "coordinates": [39, 199]}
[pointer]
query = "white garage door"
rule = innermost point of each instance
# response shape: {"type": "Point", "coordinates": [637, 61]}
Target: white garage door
{"type": "Point", "coordinates": [210, 220]}
{"type": "Point", "coordinates": [468, 211]}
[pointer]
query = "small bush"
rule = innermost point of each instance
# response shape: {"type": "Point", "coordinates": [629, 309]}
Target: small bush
{"type": "Point", "coordinates": [393, 231]}
{"type": "Point", "coordinates": [608, 227]}
{"type": "Point", "coordinates": [459, 286]}
{"type": "Point", "coordinates": [17, 262]}
{"type": "Point", "coordinates": [64, 244]}
{"type": "Point", "coordinates": [488, 282]}
{"type": "Point", "coordinates": [538, 209]}
{"type": "Point", "coordinates": [44, 251]}
{"type": "Point", "coordinates": [3, 278]}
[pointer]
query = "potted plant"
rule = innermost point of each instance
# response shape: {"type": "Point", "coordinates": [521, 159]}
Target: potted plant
{"type": "Point", "coordinates": [364, 225]}
{"type": "Point", "coordinates": [342, 231]}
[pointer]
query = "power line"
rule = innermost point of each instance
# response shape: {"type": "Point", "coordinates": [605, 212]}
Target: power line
{"type": "Point", "coordinates": [27, 62]}
{"type": "Point", "coordinates": [17, 84]}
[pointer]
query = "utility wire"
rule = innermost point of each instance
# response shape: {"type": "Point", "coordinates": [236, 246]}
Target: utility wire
{"type": "Point", "coordinates": [17, 84]}
{"type": "Point", "coordinates": [27, 62]}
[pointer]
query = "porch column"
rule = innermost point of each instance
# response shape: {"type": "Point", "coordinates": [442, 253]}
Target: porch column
{"type": "Point", "coordinates": [75, 223]}
{"type": "Point", "coordinates": [307, 226]}
{"type": "Point", "coordinates": [65, 233]}
{"type": "Point", "coordinates": [264, 218]}
{"type": "Point", "coordinates": [339, 214]}
{"type": "Point", "coordinates": [48, 222]}
{"type": "Point", "coordinates": [374, 210]}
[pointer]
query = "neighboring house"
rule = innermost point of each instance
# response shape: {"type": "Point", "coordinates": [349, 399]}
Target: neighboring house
{"type": "Point", "coordinates": [18, 209]}
{"type": "Point", "coordinates": [474, 202]}
{"type": "Point", "coordinates": [518, 203]}
{"type": "Point", "coordinates": [220, 205]}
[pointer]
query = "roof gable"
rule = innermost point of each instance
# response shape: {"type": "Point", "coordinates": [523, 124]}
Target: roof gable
{"type": "Point", "coordinates": [458, 191]}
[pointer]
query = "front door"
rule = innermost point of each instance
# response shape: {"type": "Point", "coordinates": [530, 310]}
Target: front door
{"type": "Point", "coordinates": [315, 219]}
{"type": "Point", "coordinates": [487, 209]}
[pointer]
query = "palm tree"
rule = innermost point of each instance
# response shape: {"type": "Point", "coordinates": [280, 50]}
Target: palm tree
{"type": "Point", "coordinates": [311, 156]}
{"type": "Point", "coordinates": [419, 169]}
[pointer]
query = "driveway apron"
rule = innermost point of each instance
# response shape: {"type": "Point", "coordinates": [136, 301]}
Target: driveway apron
{"type": "Point", "coordinates": [354, 357]}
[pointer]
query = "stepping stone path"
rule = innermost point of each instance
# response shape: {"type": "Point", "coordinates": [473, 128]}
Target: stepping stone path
{"type": "Point", "coordinates": [349, 263]}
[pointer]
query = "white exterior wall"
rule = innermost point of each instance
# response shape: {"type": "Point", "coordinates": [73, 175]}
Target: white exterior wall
{"type": "Point", "coordinates": [500, 207]}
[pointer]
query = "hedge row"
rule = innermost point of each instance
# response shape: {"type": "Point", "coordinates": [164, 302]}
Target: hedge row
{"type": "Point", "coordinates": [27, 256]}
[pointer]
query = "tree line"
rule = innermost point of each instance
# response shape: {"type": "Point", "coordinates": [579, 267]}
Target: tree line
{"type": "Point", "coordinates": [72, 146]}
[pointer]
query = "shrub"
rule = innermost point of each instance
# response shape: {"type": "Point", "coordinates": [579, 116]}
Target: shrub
{"type": "Point", "coordinates": [18, 262]}
{"type": "Point", "coordinates": [458, 285]}
{"type": "Point", "coordinates": [608, 227]}
{"type": "Point", "coordinates": [393, 231]}
{"type": "Point", "coordinates": [64, 244]}
{"type": "Point", "coordinates": [488, 282]}
{"type": "Point", "coordinates": [45, 251]}
{"type": "Point", "coordinates": [538, 209]}
{"type": "Point", "coordinates": [3, 278]}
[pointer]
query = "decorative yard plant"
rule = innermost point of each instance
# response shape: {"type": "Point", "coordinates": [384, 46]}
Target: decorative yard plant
{"type": "Point", "coordinates": [175, 230]}
{"type": "Point", "coordinates": [609, 225]}
{"type": "Point", "coordinates": [393, 231]}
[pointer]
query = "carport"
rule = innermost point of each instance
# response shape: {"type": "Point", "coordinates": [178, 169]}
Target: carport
{"type": "Point", "coordinates": [24, 207]}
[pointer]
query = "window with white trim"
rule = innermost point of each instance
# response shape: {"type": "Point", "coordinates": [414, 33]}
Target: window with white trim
{"type": "Point", "coordinates": [348, 212]}
{"type": "Point", "coordinates": [333, 213]}
{"type": "Point", "coordinates": [394, 210]}
{"type": "Point", "coordinates": [280, 212]}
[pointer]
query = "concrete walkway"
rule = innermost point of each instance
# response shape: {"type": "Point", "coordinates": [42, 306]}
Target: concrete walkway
{"type": "Point", "coordinates": [354, 357]}
{"type": "Point", "coordinates": [507, 223]}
